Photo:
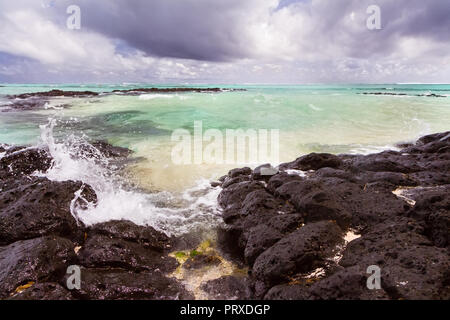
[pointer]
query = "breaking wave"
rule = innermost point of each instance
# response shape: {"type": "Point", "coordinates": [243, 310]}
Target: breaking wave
{"type": "Point", "coordinates": [194, 210]}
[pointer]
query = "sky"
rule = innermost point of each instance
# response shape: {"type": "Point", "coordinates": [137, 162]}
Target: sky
{"type": "Point", "coordinates": [225, 41]}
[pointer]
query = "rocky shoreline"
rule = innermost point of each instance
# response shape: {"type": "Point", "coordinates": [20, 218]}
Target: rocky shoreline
{"type": "Point", "coordinates": [40, 239]}
{"type": "Point", "coordinates": [309, 230]}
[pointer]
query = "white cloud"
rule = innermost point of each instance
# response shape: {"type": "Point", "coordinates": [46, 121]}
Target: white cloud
{"type": "Point", "coordinates": [309, 41]}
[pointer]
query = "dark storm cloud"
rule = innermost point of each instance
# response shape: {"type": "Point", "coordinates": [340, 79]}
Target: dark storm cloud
{"type": "Point", "coordinates": [216, 30]}
{"type": "Point", "coordinates": [192, 29]}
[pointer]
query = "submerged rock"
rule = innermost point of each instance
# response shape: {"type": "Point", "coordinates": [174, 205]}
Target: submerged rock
{"type": "Point", "coordinates": [200, 261]}
{"type": "Point", "coordinates": [54, 93]}
{"type": "Point", "coordinates": [110, 151]}
{"type": "Point", "coordinates": [228, 288]}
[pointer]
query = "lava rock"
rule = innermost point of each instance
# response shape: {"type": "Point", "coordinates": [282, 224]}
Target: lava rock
{"type": "Point", "coordinates": [33, 207]}
{"type": "Point", "coordinates": [433, 208]}
{"type": "Point", "coordinates": [346, 284]}
{"type": "Point", "coordinates": [118, 284]}
{"type": "Point", "coordinates": [19, 161]}
{"type": "Point", "coordinates": [147, 237]}
{"type": "Point", "coordinates": [54, 93]}
{"type": "Point", "coordinates": [408, 240]}
{"type": "Point", "coordinates": [264, 172]}
{"type": "Point", "coordinates": [280, 179]}
{"type": "Point", "coordinates": [103, 251]}
{"type": "Point", "coordinates": [43, 291]}
{"type": "Point", "coordinates": [228, 288]}
{"type": "Point", "coordinates": [110, 151]}
{"type": "Point", "coordinates": [260, 239]}
{"type": "Point", "coordinates": [231, 198]}
{"type": "Point", "coordinates": [411, 267]}
{"type": "Point", "coordinates": [37, 260]}
{"type": "Point", "coordinates": [200, 261]}
{"type": "Point", "coordinates": [240, 172]}
{"type": "Point", "coordinates": [301, 251]}
{"type": "Point", "coordinates": [314, 161]}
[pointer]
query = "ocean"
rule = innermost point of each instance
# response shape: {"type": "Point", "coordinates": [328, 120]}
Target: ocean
{"type": "Point", "coordinates": [153, 190]}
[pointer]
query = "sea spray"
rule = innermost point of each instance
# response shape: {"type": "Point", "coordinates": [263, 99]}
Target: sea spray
{"type": "Point", "coordinates": [76, 159]}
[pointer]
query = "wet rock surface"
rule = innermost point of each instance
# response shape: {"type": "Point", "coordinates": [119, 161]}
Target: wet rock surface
{"type": "Point", "coordinates": [43, 291]}
{"type": "Point", "coordinates": [40, 239]}
{"type": "Point", "coordinates": [200, 261]}
{"type": "Point", "coordinates": [99, 251]}
{"type": "Point", "coordinates": [36, 260]}
{"type": "Point", "coordinates": [33, 206]}
{"type": "Point", "coordinates": [120, 284]}
{"type": "Point", "coordinates": [294, 229]}
{"type": "Point", "coordinates": [54, 93]}
{"type": "Point", "coordinates": [228, 288]}
{"type": "Point", "coordinates": [291, 227]}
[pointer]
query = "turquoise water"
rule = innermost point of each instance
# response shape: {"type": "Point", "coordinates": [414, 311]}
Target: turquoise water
{"type": "Point", "coordinates": [310, 118]}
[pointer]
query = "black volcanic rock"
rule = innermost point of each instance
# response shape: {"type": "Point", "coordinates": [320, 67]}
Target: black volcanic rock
{"type": "Point", "coordinates": [259, 239]}
{"type": "Point", "coordinates": [24, 104]}
{"type": "Point", "coordinates": [314, 161]}
{"type": "Point", "coordinates": [24, 161]}
{"type": "Point", "coordinates": [147, 237]}
{"type": "Point", "coordinates": [32, 207]}
{"type": "Point", "coordinates": [44, 291]}
{"type": "Point", "coordinates": [110, 151]}
{"type": "Point", "coordinates": [41, 238]}
{"type": "Point", "coordinates": [54, 93]}
{"type": "Point", "coordinates": [346, 284]}
{"type": "Point", "coordinates": [101, 251]}
{"type": "Point", "coordinates": [37, 260]}
{"type": "Point", "coordinates": [280, 179]}
{"type": "Point", "coordinates": [412, 268]}
{"type": "Point", "coordinates": [299, 252]}
{"type": "Point", "coordinates": [119, 284]}
{"type": "Point", "coordinates": [433, 209]}
{"type": "Point", "coordinates": [168, 90]}
{"type": "Point", "coordinates": [200, 261]}
{"type": "Point", "coordinates": [228, 288]}
{"type": "Point", "coordinates": [397, 201]}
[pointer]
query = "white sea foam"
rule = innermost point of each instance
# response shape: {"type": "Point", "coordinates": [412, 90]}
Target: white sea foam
{"type": "Point", "coordinates": [313, 107]}
{"type": "Point", "coordinates": [296, 172]}
{"type": "Point", "coordinates": [366, 150]}
{"type": "Point", "coordinates": [77, 160]}
{"type": "Point", "coordinates": [162, 96]}
{"type": "Point", "coordinates": [49, 106]}
{"type": "Point", "coordinates": [155, 96]}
